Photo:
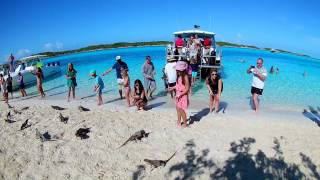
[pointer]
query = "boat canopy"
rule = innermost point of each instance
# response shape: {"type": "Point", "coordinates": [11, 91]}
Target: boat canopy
{"type": "Point", "coordinates": [189, 33]}
{"type": "Point", "coordinates": [31, 58]}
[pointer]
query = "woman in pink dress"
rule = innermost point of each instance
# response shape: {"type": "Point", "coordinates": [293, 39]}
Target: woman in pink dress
{"type": "Point", "coordinates": [182, 91]}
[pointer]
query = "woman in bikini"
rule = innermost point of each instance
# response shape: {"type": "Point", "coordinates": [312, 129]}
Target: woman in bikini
{"type": "Point", "coordinates": [39, 76]}
{"type": "Point", "coordinates": [126, 84]}
{"type": "Point", "coordinates": [139, 95]}
{"type": "Point", "coordinates": [215, 86]}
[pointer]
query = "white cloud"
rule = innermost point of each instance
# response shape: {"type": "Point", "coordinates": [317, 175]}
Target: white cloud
{"type": "Point", "coordinates": [22, 53]}
{"type": "Point", "coordinates": [239, 38]}
{"type": "Point", "coordinates": [48, 47]}
{"type": "Point", "coordinates": [53, 46]}
{"type": "Point", "coordinates": [59, 45]}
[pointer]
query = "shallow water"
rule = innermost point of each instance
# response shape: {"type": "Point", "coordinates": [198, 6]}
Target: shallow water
{"type": "Point", "coordinates": [287, 89]}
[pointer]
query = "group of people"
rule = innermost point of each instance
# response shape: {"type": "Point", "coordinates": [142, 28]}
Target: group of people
{"type": "Point", "coordinates": [6, 85]}
{"type": "Point", "coordinates": [193, 49]}
{"type": "Point", "coordinates": [179, 77]}
{"type": "Point", "coordinates": [140, 94]}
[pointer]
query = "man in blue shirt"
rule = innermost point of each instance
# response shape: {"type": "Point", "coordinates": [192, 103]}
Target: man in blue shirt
{"type": "Point", "coordinates": [118, 66]}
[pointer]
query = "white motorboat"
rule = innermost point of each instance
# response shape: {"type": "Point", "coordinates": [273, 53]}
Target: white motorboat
{"type": "Point", "coordinates": [28, 65]}
{"type": "Point", "coordinates": [208, 57]}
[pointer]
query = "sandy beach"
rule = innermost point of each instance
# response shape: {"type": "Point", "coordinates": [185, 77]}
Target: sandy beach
{"type": "Point", "coordinates": [236, 144]}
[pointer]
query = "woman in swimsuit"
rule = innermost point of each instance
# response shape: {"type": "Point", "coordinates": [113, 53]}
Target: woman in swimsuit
{"type": "Point", "coordinates": [139, 95]}
{"type": "Point", "coordinates": [39, 76]}
{"type": "Point", "coordinates": [215, 87]}
{"type": "Point", "coordinates": [126, 84]}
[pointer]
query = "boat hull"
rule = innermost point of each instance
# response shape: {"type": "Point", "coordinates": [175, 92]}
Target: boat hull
{"type": "Point", "coordinates": [30, 79]}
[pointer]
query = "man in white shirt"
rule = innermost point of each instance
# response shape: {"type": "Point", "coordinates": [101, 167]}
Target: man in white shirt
{"type": "Point", "coordinates": [171, 73]}
{"type": "Point", "coordinates": [259, 76]}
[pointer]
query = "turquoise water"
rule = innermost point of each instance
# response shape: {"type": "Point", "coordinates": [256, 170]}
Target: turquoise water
{"type": "Point", "coordinates": [287, 89]}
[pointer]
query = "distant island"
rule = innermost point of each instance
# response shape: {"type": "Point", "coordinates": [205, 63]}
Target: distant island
{"type": "Point", "coordinates": [155, 43]}
{"type": "Point", "coordinates": [227, 44]}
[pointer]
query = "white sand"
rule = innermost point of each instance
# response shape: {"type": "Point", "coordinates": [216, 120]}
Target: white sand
{"type": "Point", "coordinates": [202, 149]}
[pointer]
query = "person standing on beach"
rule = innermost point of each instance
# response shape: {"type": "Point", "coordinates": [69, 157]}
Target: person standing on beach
{"type": "Point", "coordinates": [182, 91]}
{"type": "Point", "coordinates": [119, 65]}
{"type": "Point", "coordinates": [149, 72]}
{"type": "Point", "coordinates": [99, 85]}
{"type": "Point", "coordinates": [39, 76]}
{"type": "Point", "coordinates": [71, 81]}
{"type": "Point", "coordinates": [215, 87]}
{"type": "Point", "coordinates": [11, 63]}
{"type": "Point", "coordinates": [21, 84]}
{"type": "Point", "coordinates": [5, 91]}
{"type": "Point", "coordinates": [170, 70]}
{"type": "Point", "coordinates": [259, 76]}
{"type": "Point", "coordinates": [2, 84]}
{"type": "Point", "coordinates": [126, 84]}
{"type": "Point", "coordinates": [9, 85]}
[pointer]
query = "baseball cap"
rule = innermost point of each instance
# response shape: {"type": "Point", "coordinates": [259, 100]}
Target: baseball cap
{"type": "Point", "coordinates": [118, 58]}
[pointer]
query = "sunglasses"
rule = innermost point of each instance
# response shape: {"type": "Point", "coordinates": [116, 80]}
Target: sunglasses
{"type": "Point", "coordinates": [213, 74]}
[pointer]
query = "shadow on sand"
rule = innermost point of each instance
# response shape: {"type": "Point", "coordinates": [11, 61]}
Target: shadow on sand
{"type": "Point", "coordinates": [35, 93]}
{"type": "Point", "coordinates": [199, 115]}
{"type": "Point", "coordinates": [151, 106]}
{"type": "Point", "coordinates": [242, 164]}
{"type": "Point", "coordinates": [93, 95]}
{"type": "Point", "coordinates": [223, 107]}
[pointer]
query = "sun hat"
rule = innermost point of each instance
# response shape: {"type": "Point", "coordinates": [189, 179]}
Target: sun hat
{"type": "Point", "coordinates": [181, 66]}
{"type": "Point", "coordinates": [118, 58]}
{"type": "Point", "coordinates": [93, 71]}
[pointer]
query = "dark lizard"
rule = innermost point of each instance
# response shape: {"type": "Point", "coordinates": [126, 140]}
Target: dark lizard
{"type": "Point", "coordinates": [136, 136]}
{"type": "Point", "coordinates": [158, 163]}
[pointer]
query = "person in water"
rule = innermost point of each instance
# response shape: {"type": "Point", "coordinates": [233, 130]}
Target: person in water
{"type": "Point", "coordinates": [182, 92]}
{"type": "Point", "coordinates": [215, 87]}
{"type": "Point", "coordinates": [71, 81]}
{"type": "Point", "coordinates": [39, 76]}
{"type": "Point", "coordinates": [118, 66]}
{"type": "Point", "coordinates": [149, 72]}
{"type": "Point", "coordinates": [20, 81]}
{"type": "Point", "coordinates": [195, 68]}
{"type": "Point", "coordinates": [98, 86]}
{"type": "Point", "coordinates": [126, 85]}
{"type": "Point", "coordinates": [271, 70]}
{"type": "Point", "coordinates": [139, 95]}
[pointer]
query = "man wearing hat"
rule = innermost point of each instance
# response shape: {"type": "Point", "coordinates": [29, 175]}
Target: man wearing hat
{"type": "Point", "coordinates": [149, 72]}
{"type": "Point", "coordinates": [118, 66]}
{"type": "Point", "coordinates": [98, 86]}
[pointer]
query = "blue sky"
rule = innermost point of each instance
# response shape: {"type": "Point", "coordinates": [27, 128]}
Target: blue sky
{"type": "Point", "coordinates": [32, 26]}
